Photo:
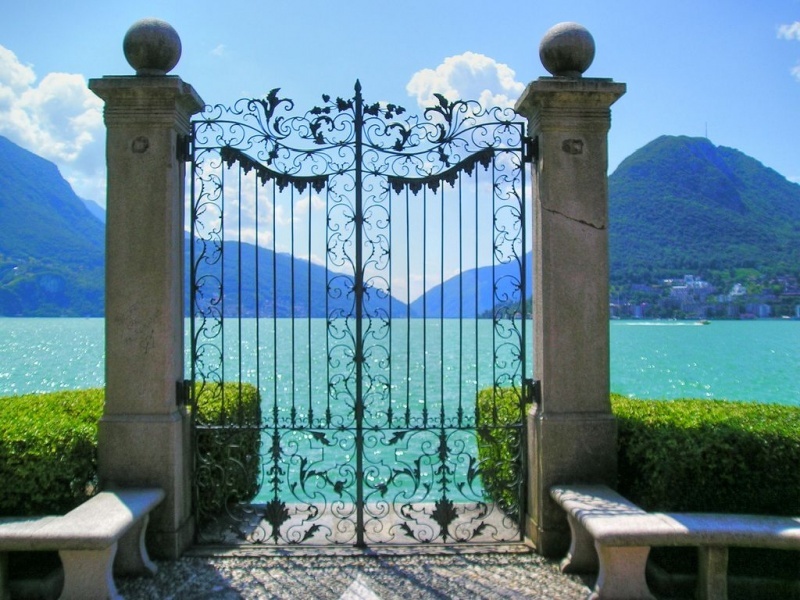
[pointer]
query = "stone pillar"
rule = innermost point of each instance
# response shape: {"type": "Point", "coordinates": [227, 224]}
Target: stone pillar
{"type": "Point", "coordinates": [144, 434]}
{"type": "Point", "coordinates": [571, 432]}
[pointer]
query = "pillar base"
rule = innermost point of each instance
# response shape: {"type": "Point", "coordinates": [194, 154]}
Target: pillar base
{"type": "Point", "coordinates": [152, 451]}
{"type": "Point", "coordinates": [564, 449]}
{"type": "Point", "coordinates": [170, 545]}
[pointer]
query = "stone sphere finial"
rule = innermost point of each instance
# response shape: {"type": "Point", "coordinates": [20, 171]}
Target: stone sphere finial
{"type": "Point", "coordinates": [152, 47]}
{"type": "Point", "coordinates": [567, 50]}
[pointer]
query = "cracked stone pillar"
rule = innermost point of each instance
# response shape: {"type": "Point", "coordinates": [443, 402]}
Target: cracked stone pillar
{"type": "Point", "coordinates": [144, 435]}
{"type": "Point", "coordinates": [571, 431]}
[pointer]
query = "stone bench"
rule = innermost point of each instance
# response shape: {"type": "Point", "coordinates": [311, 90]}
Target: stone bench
{"type": "Point", "coordinates": [103, 535]}
{"type": "Point", "coordinates": [613, 536]}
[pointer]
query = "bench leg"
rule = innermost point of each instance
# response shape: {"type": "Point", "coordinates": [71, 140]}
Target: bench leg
{"type": "Point", "coordinates": [88, 574]}
{"type": "Point", "coordinates": [132, 557]}
{"type": "Point", "coordinates": [4, 593]}
{"type": "Point", "coordinates": [622, 573]}
{"type": "Point", "coordinates": [712, 575]}
{"type": "Point", "coordinates": [581, 557]}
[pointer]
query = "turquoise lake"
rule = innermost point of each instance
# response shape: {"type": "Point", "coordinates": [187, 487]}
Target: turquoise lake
{"type": "Point", "coordinates": [734, 360]}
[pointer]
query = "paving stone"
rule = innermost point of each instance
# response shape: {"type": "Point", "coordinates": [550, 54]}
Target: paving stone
{"type": "Point", "coordinates": [359, 577]}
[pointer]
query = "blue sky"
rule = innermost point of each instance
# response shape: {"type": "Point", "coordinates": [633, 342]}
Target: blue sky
{"type": "Point", "coordinates": [728, 67]}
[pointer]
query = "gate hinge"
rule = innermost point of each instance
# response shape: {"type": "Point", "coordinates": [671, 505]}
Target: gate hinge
{"type": "Point", "coordinates": [530, 150]}
{"type": "Point", "coordinates": [183, 148]}
{"type": "Point", "coordinates": [183, 392]}
{"type": "Point", "coordinates": [533, 391]}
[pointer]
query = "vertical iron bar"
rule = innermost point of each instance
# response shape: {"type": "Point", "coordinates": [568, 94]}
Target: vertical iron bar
{"type": "Point", "coordinates": [523, 435]}
{"type": "Point", "coordinates": [441, 309]}
{"type": "Point", "coordinates": [461, 306]}
{"type": "Point", "coordinates": [390, 412]}
{"type": "Point", "coordinates": [359, 298]}
{"type": "Point", "coordinates": [494, 295]}
{"type": "Point", "coordinates": [239, 408]}
{"type": "Point", "coordinates": [275, 410]}
{"type": "Point", "coordinates": [222, 292]}
{"type": "Point", "coordinates": [192, 275]}
{"type": "Point", "coordinates": [192, 331]}
{"type": "Point", "coordinates": [443, 449]}
{"type": "Point", "coordinates": [258, 290]}
{"type": "Point", "coordinates": [293, 295]}
{"type": "Point", "coordinates": [424, 308]}
{"type": "Point", "coordinates": [477, 299]}
{"type": "Point", "coordinates": [328, 323]}
{"type": "Point", "coordinates": [310, 371]}
{"type": "Point", "coordinates": [408, 309]}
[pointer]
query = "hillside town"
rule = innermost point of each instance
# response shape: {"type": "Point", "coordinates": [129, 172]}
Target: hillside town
{"type": "Point", "coordinates": [692, 297]}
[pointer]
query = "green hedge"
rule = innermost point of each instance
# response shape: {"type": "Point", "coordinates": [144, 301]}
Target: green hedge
{"type": "Point", "coordinates": [228, 460]}
{"type": "Point", "coordinates": [48, 451]}
{"type": "Point", "coordinates": [676, 455]}
{"type": "Point", "coordinates": [499, 447]}
{"type": "Point", "coordinates": [713, 456]}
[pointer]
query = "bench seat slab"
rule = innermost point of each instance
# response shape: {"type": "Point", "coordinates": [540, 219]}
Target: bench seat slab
{"type": "Point", "coordinates": [613, 535]}
{"type": "Point", "coordinates": [19, 534]}
{"type": "Point", "coordinates": [88, 538]}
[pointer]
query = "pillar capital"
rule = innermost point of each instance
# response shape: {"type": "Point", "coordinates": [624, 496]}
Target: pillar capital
{"type": "Point", "coordinates": [135, 100]}
{"type": "Point", "coordinates": [557, 103]}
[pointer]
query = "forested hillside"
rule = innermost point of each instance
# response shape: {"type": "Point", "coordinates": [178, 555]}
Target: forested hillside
{"type": "Point", "coordinates": [682, 205]}
{"type": "Point", "coordinates": [51, 247]}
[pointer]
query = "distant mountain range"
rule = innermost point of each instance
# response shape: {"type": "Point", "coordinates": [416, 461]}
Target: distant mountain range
{"type": "Point", "coordinates": [678, 205]}
{"type": "Point", "coordinates": [474, 293]}
{"type": "Point", "coordinates": [260, 282]}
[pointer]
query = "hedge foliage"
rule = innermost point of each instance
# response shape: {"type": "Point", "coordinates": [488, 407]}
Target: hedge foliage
{"type": "Point", "coordinates": [499, 447]}
{"type": "Point", "coordinates": [228, 458]}
{"type": "Point", "coordinates": [48, 451]}
{"type": "Point", "coordinates": [675, 455]}
{"type": "Point", "coordinates": [709, 456]}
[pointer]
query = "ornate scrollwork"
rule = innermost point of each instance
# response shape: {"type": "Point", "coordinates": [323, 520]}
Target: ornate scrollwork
{"type": "Point", "coordinates": [354, 455]}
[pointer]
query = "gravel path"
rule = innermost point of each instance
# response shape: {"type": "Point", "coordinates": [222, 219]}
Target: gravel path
{"type": "Point", "coordinates": [357, 577]}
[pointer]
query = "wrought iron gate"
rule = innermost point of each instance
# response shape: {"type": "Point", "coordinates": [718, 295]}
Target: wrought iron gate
{"type": "Point", "coordinates": [358, 323]}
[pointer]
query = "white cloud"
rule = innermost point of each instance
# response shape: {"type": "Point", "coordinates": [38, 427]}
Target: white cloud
{"type": "Point", "coordinates": [301, 206]}
{"type": "Point", "coordinates": [468, 76]}
{"type": "Point", "coordinates": [219, 50]}
{"type": "Point", "coordinates": [13, 73]}
{"type": "Point", "coordinates": [790, 32]}
{"type": "Point", "coordinates": [58, 119]}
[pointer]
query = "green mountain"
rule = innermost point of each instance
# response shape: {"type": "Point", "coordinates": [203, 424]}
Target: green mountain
{"type": "Point", "coordinates": [51, 246]}
{"type": "Point", "coordinates": [683, 205]}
